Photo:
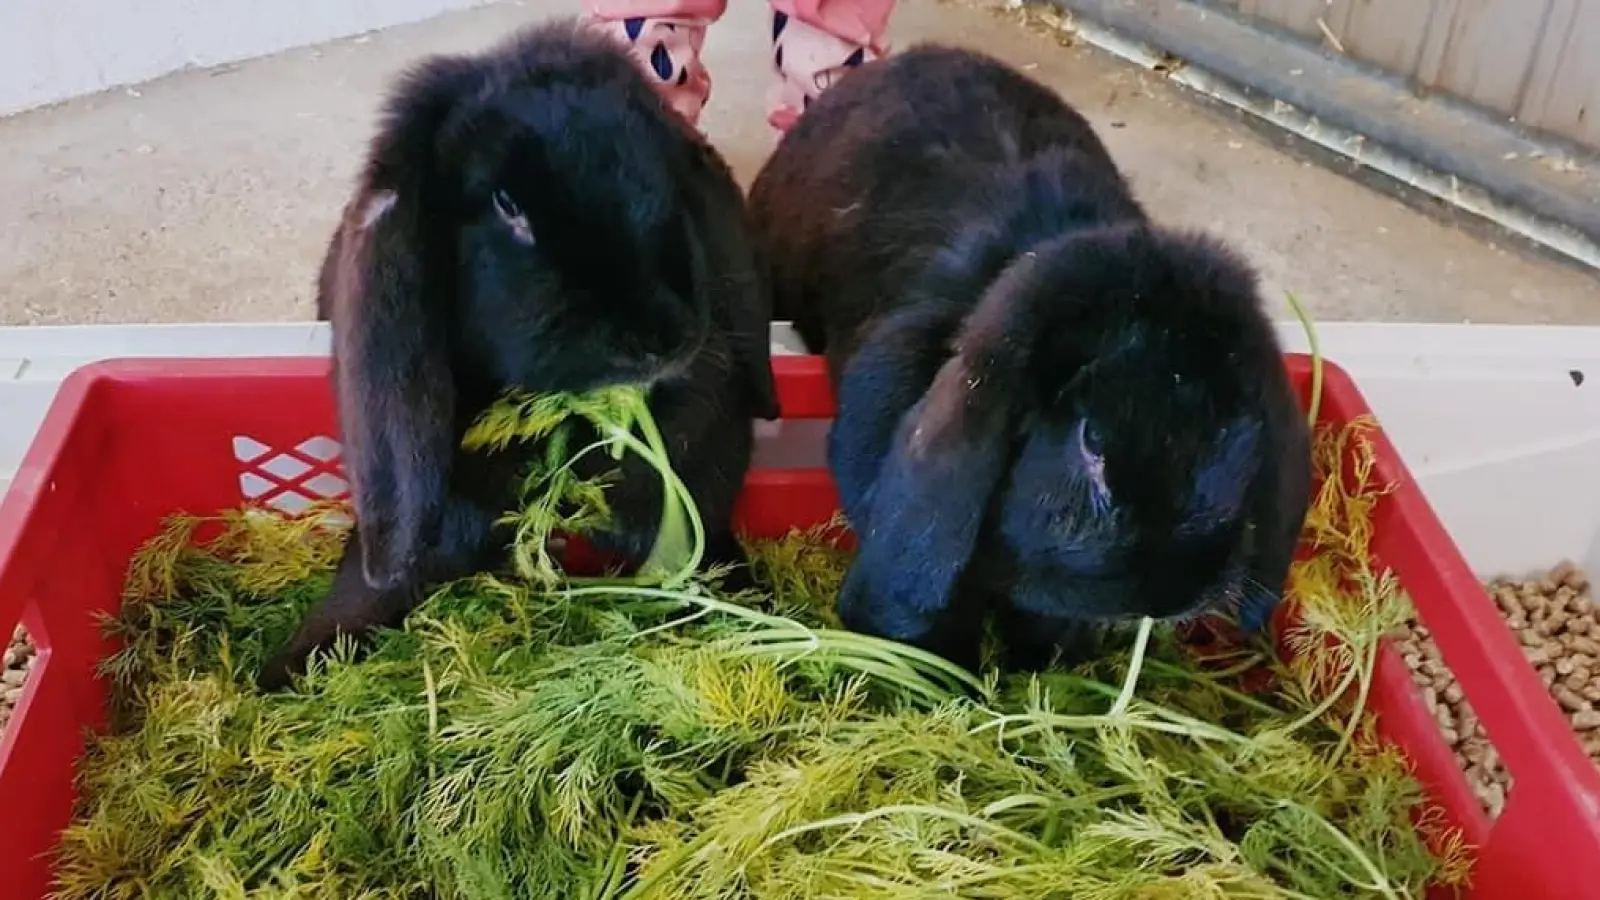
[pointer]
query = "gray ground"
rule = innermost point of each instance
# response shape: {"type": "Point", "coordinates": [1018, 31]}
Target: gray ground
{"type": "Point", "coordinates": [208, 195]}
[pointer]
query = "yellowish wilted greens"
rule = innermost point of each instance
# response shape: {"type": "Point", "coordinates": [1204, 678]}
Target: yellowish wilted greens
{"type": "Point", "coordinates": [533, 736]}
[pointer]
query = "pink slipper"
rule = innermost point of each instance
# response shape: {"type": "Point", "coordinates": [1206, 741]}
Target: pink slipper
{"type": "Point", "coordinates": [667, 49]}
{"type": "Point", "coordinates": [808, 59]}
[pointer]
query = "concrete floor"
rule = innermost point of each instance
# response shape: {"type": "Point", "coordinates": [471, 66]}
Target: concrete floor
{"type": "Point", "coordinates": [208, 195]}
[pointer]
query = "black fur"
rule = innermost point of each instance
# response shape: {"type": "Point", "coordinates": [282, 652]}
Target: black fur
{"type": "Point", "coordinates": [534, 217]}
{"type": "Point", "coordinates": [1048, 406]}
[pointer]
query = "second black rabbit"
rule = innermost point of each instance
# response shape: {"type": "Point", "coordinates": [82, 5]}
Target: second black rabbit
{"type": "Point", "coordinates": [1049, 408]}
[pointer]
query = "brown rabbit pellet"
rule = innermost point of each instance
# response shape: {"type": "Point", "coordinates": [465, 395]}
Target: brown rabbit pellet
{"type": "Point", "coordinates": [1558, 623]}
{"type": "Point", "coordinates": [19, 660]}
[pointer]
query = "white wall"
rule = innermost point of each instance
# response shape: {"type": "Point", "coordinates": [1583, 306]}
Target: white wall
{"type": "Point", "coordinates": [53, 50]}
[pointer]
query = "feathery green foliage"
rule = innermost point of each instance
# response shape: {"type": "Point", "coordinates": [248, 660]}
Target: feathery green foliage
{"type": "Point", "coordinates": [556, 498]}
{"type": "Point", "coordinates": [539, 736]}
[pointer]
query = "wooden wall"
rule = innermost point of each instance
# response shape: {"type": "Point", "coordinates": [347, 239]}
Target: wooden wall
{"type": "Point", "coordinates": [1536, 62]}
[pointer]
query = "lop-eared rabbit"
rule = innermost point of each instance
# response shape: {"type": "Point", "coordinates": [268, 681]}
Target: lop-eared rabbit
{"type": "Point", "coordinates": [534, 217]}
{"type": "Point", "coordinates": [1050, 408]}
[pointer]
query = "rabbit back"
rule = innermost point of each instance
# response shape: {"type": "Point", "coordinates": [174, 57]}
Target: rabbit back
{"type": "Point", "coordinates": [874, 180]}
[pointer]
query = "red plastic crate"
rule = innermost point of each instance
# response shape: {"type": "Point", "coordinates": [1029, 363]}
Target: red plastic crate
{"type": "Point", "coordinates": [128, 442]}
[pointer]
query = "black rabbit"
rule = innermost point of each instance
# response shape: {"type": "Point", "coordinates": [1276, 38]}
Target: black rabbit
{"type": "Point", "coordinates": [1049, 408]}
{"type": "Point", "coordinates": [533, 217]}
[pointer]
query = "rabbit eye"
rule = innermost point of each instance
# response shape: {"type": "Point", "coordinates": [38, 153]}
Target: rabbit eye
{"type": "Point", "coordinates": [512, 215]}
{"type": "Point", "coordinates": [1092, 453]}
{"type": "Point", "coordinates": [1089, 440]}
{"type": "Point", "coordinates": [505, 206]}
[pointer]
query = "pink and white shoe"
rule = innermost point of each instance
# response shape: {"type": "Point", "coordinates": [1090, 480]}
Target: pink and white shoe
{"type": "Point", "coordinates": [666, 47]}
{"type": "Point", "coordinates": [814, 44]}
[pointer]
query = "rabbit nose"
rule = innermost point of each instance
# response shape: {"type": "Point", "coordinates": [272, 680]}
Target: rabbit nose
{"type": "Point", "coordinates": [633, 358]}
{"type": "Point", "coordinates": [638, 361]}
{"type": "Point", "coordinates": [656, 347]}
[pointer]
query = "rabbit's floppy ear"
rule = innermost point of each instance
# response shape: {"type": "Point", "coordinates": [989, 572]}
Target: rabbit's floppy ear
{"type": "Point", "coordinates": [723, 267]}
{"type": "Point", "coordinates": [396, 398]}
{"type": "Point", "coordinates": [923, 513]}
{"type": "Point", "coordinates": [386, 292]}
